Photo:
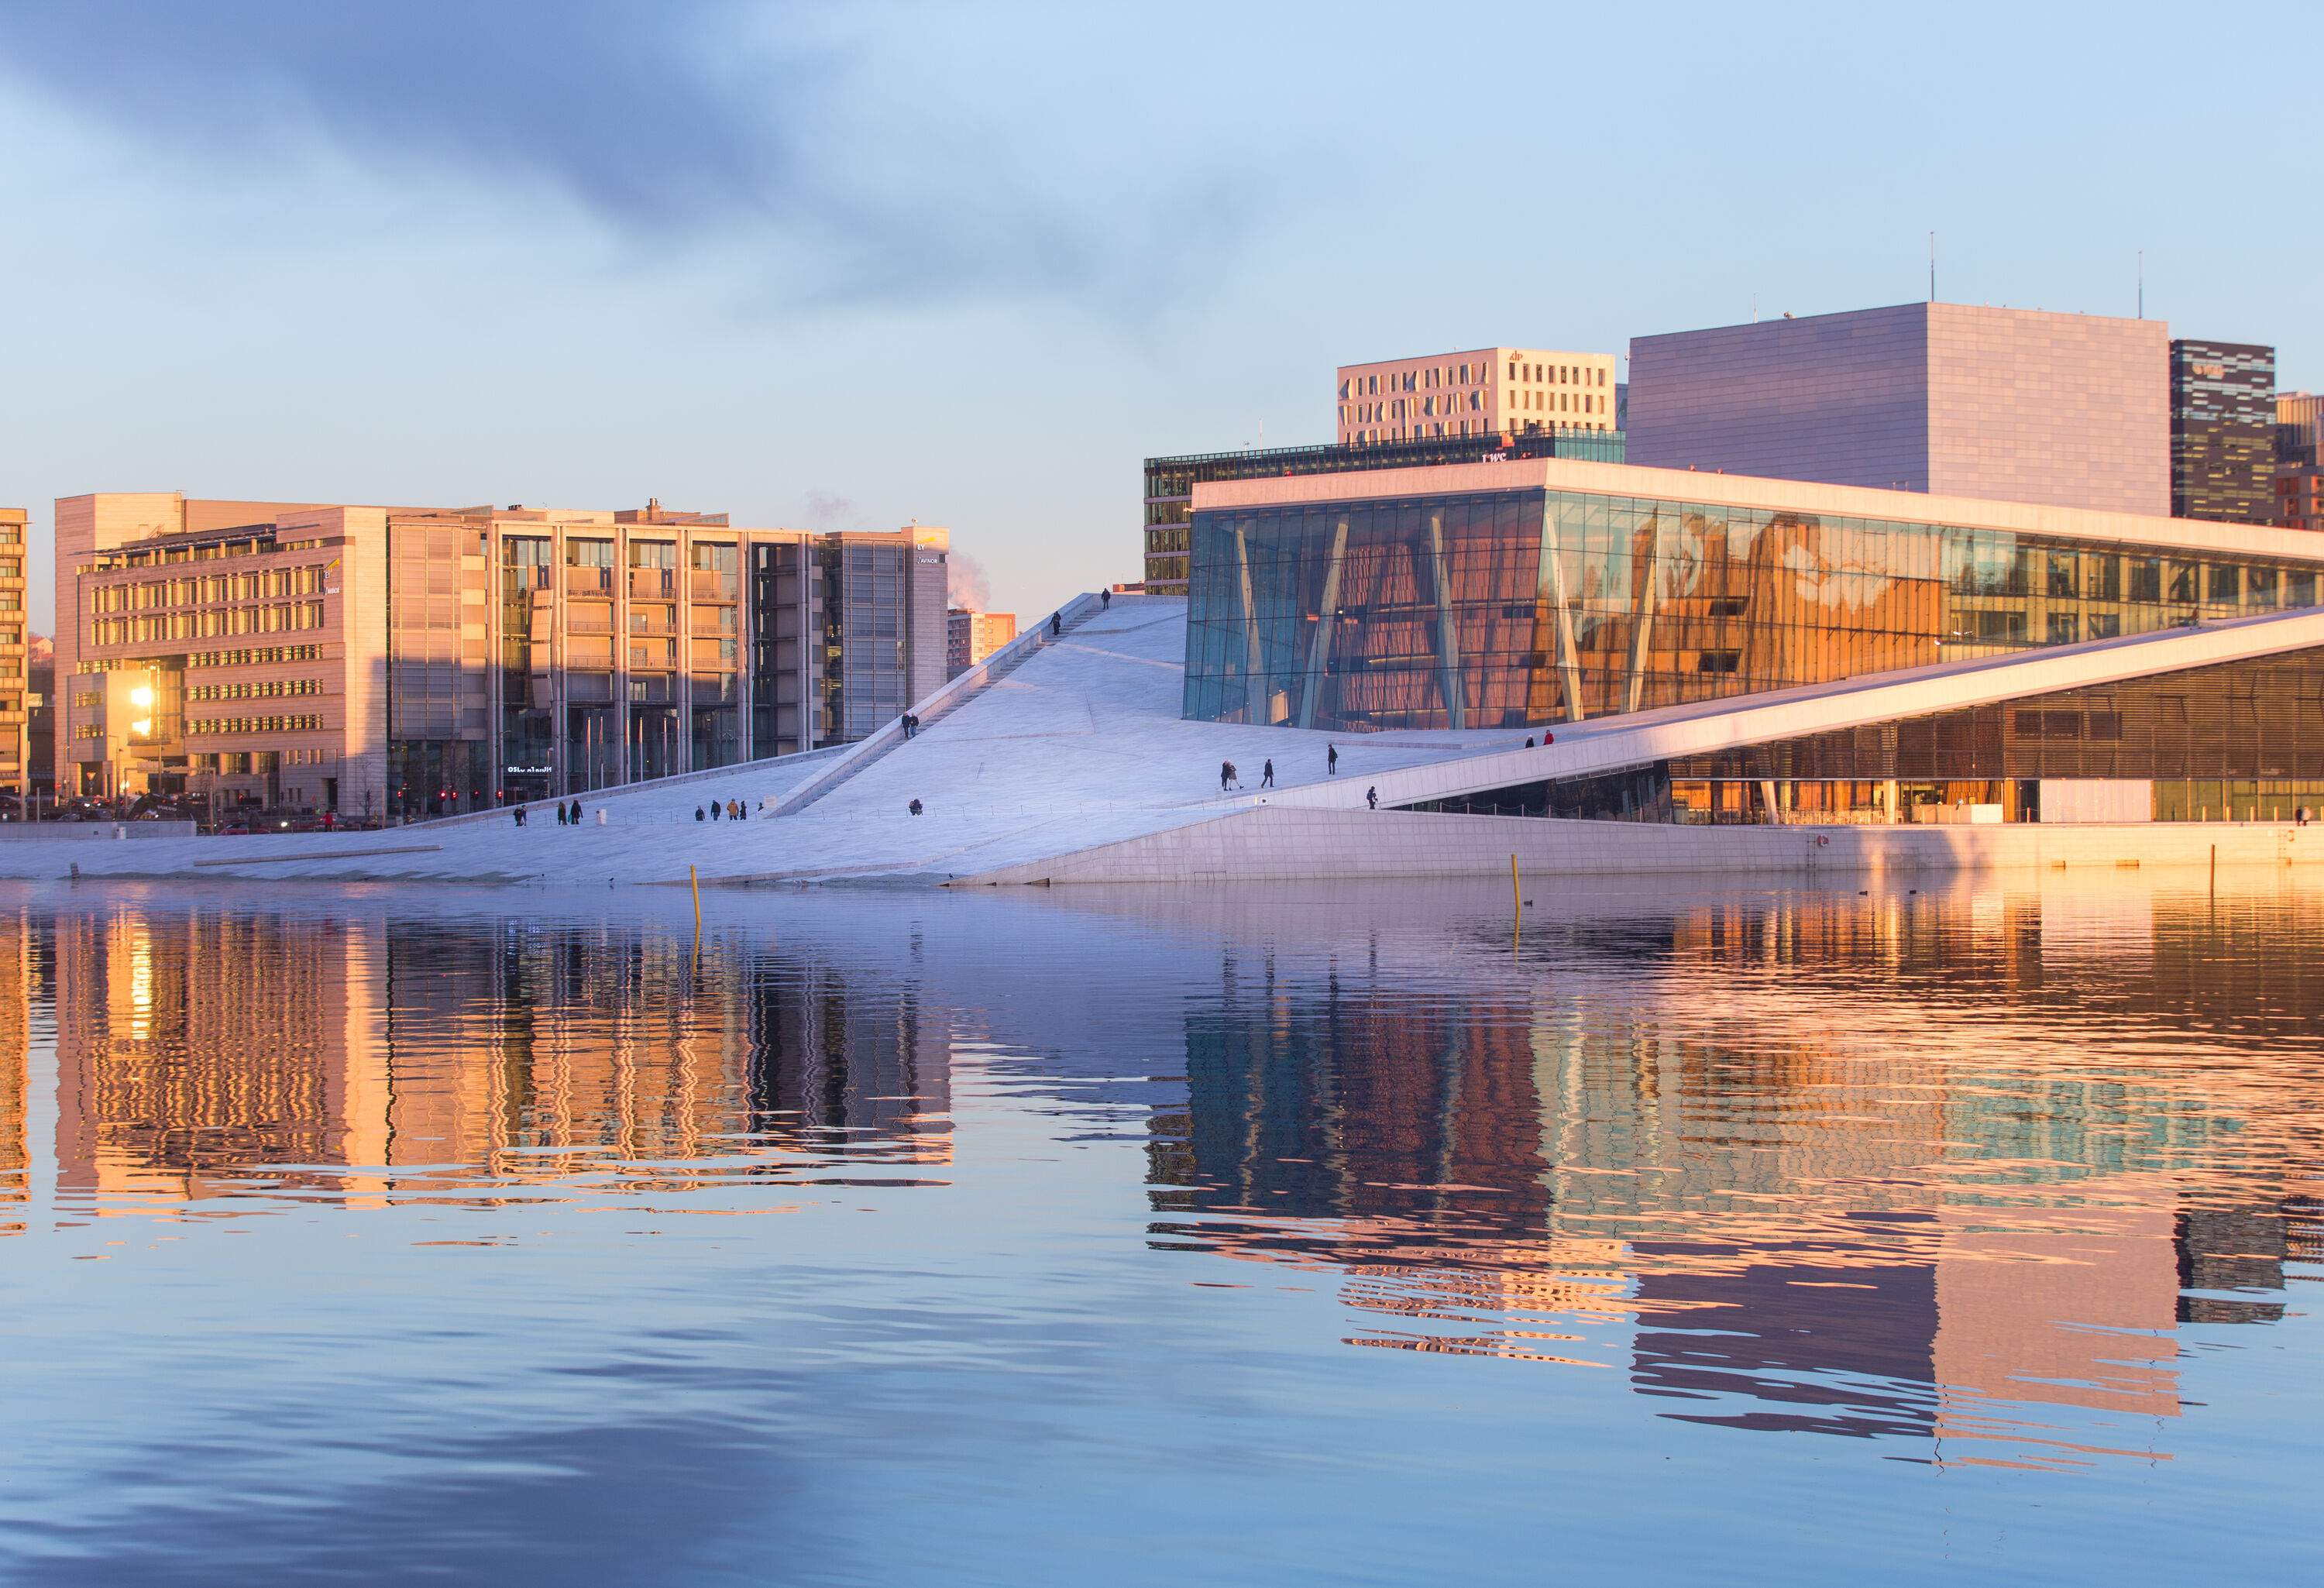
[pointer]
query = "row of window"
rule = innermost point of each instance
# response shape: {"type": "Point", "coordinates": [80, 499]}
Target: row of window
{"type": "Point", "coordinates": [270, 688]}
{"type": "Point", "coordinates": [277, 583]}
{"type": "Point", "coordinates": [203, 625]}
{"type": "Point", "coordinates": [296, 722]}
{"type": "Point", "coordinates": [1558, 375]}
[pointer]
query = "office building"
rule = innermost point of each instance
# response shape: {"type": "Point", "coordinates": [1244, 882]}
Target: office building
{"type": "Point", "coordinates": [15, 707]}
{"type": "Point", "coordinates": [1485, 390]}
{"type": "Point", "coordinates": [40, 718]}
{"type": "Point", "coordinates": [2223, 425]}
{"type": "Point", "coordinates": [1170, 482]}
{"type": "Point", "coordinates": [405, 661]}
{"type": "Point", "coordinates": [2298, 485]}
{"type": "Point", "coordinates": [1951, 398]}
{"type": "Point", "coordinates": [971, 636]}
{"type": "Point", "coordinates": [1548, 592]}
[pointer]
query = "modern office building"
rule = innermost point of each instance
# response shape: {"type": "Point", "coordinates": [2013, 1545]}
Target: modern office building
{"type": "Point", "coordinates": [2299, 484]}
{"type": "Point", "coordinates": [40, 718]}
{"type": "Point", "coordinates": [1952, 399]}
{"type": "Point", "coordinates": [1170, 482]}
{"type": "Point", "coordinates": [971, 636]}
{"type": "Point", "coordinates": [15, 707]}
{"type": "Point", "coordinates": [1485, 390]}
{"type": "Point", "coordinates": [2223, 424]}
{"type": "Point", "coordinates": [378, 660]}
{"type": "Point", "coordinates": [1547, 592]}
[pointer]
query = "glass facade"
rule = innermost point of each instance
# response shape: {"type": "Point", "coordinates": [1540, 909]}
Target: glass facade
{"type": "Point", "coordinates": [1170, 481]}
{"type": "Point", "coordinates": [2241, 741]}
{"type": "Point", "coordinates": [1513, 608]}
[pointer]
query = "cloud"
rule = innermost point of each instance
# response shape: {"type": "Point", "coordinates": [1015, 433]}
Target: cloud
{"type": "Point", "coordinates": [804, 136]}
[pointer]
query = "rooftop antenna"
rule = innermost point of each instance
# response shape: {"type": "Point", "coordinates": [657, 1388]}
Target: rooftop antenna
{"type": "Point", "coordinates": [1755, 308]}
{"type": "Point", "coordinates": [1932, 267]}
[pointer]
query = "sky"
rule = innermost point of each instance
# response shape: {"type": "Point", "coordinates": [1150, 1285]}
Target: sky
{"type": "Point", "coordinates": [851, 266]}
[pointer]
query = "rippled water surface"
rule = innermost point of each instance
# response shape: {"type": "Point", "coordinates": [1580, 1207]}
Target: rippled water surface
{"type": "Point", "coordinates": [1968, 1233]}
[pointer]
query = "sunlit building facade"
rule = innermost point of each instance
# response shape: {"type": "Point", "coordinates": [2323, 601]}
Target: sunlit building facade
{"type": "Point", "coordinates": [1485, 390]}
{"type": "Point", "coordinates": [373, 661]}
{"type": "Point", "coordinates": [1537, 594]}
{"type": "Point", "coordinates": [971, 636]}
{"type": "Point", "coordinates": [15, 637]}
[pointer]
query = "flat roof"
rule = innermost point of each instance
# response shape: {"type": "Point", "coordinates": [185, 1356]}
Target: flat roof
{"type": "Point", "coordinates": [1747, 491]}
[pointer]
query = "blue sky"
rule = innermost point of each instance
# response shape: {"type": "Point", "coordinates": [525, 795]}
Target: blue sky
{"type": "Point", "coordinates": [844, 266]}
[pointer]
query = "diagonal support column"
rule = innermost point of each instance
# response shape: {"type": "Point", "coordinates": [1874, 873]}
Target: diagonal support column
{"type": "Point", "coordinates": [1327, 618]}
{"type": "Point", "coordinates": [1254, 668]}
{"type": "Point", "coordinates": [1642, 616]}
{"type": "Point", "coordinates": [1553, 585]}
{"type": "Point", "coordinates": [1448, 643]}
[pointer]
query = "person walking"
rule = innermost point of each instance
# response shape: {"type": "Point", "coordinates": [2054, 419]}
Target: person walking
{"type": "Point", "coordinates": [1056, 625]}
{"type": "Point", "coordinates": [1331, 760]}
{"type": "Point", "coordinates": [714, 811]}
{"type": "Point", "coordinates": [1226, 775]}
{"type": "Point", "coordinates": [560, 815]}
{"type": "Point", "coordinates": [519, 813]}
{"type": "Point", "coordinates": [1105, 600]}
{"type": "Point", "coordinates": [1266, 774]}
{"type": "Point", "coordinates": [733, 811]}
{"type": "Point", "coordinates": [1371, 797]}
{"type": "Point", "coordinates": [577, 812]}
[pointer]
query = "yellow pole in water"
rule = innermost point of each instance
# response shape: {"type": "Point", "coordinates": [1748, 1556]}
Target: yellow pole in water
{"type": "Point", "coordinates": [694, 878]}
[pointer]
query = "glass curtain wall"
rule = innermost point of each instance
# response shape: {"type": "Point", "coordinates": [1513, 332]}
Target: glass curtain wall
{"type": "Point", "coordinates": [713, 689]}
{"type": "Point", "coordinates": [438, 758]}
{"type": "Point", "coordinates": [1516, 608]}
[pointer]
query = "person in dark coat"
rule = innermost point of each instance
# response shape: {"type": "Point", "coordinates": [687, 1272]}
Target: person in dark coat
{"type": "Point", "coordinates": [1056, 625]}
{"type": "Point", "coordinates": [560, 815]}
{"type": "Point", "coordinates": [1331, 760]}
{"type": "Point", "coordinates": [714, 811]}
{"type": "Point", "coordinates": [577, 813]}
{"type": "Point", "coordinates": [1371, 797]}
{"type": "Point", "coordinates": [1105, 600]}
{"type": "Point", "coordinates": [1528, 741]}
{"type": "Point", "coordinates": [1266, 774]}
{"type": "Point", "coordinates": [914, 808]}
{"type": "Point", "coordinates": [518, 814]}
{"type": "Point", "coordinates": [1226, 775]}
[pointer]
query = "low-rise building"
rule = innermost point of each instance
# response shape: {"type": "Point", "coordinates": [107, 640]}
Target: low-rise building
{"type": "Point", "coordinates": [971, 636]}
{"type": "Point", "coordinates": [405, 661]}
{"type": "Point", "coordinates": [1485, 390]}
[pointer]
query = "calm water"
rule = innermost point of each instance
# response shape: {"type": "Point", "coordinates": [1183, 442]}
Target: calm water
{"type": "Point", "coordinates": [1965, 1234]}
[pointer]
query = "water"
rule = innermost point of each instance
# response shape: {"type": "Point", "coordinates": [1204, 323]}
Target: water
{"type": "Point", "coordinates": [1968, 1233]}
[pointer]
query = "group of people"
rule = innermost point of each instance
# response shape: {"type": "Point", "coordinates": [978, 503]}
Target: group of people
{"type": "Point", "coordinates": [734, 810]}
{"type": "Point", "coordinates": [567, 815]}
{"type": "Point", "coordinates": [1229, 777]}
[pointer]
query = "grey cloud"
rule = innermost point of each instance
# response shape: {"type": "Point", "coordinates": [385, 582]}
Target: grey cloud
{"type": "Point", "coordinates": [967, 584]}
{"type": "Point", "coordinates": [676, 122]}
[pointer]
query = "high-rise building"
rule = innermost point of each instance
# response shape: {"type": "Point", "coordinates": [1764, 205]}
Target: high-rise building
{"type": "Point", "coordinates": [379, 660]}
{"type": "Point", "coordinates": [971, 636]}
{"type": "Point", "coordinates": [1952, 399]}
{"type": "Point", "coordinates": [2223, 432]}
{"type": "Point", "coordinates": [15, 755]}
{"type": "Point", "coordinates": [1485, 390]}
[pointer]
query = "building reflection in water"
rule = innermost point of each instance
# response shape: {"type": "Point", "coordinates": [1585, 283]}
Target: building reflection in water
{"type": "Point", "coordinates": [1956, 1168]}
{"type": "Point", "coordinates": [207, 1053]}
